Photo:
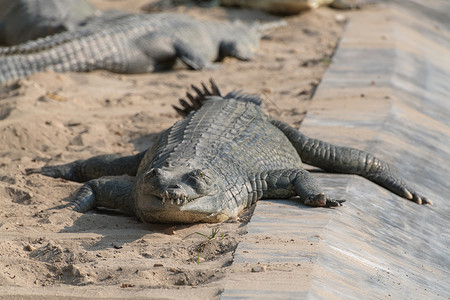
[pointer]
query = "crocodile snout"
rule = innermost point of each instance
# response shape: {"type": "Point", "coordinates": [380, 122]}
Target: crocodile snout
{"type": "Point", "coordinates": [174, 195]}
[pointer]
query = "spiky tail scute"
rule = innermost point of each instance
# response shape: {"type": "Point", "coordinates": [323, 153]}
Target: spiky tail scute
{"type": "Point", "coordinates": [195, 102]}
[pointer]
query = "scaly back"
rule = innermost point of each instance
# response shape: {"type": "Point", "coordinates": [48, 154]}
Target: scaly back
{"type": "Point", "coordinates": [229, 134]}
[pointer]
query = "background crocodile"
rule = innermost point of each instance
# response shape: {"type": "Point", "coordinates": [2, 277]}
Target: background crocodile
{"type": "Point", "coordinates": [23, 20]}
{"type": "Point", "coordinates": [136, 43]}
{"type": "Point", "coordinates": [278, 7]}
{"type": "Point", "coordinates": [220, 159]}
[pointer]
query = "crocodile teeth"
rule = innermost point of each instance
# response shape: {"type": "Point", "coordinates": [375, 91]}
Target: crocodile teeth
{"type": "Point", "coordinates": [173, 199]}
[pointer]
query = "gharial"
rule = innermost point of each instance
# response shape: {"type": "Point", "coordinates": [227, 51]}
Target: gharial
{"type": "Point", "coordinates": [133, 43]}
{"type": "Point", "coordinates": [221, 158]}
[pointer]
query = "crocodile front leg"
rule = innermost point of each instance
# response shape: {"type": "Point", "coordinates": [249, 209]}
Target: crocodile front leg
{"type": "Point", "coordinates": [109, 192]}
{"type": "Point", "coordinates": [288, 183]}
{"type": "Point", "coordinates": [348, 160]}
{"type": "Point", "coordinates": [95, 167]}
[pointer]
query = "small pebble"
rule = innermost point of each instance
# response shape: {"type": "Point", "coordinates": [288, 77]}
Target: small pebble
{"type": "Point", "coordinates": [117, 246]}
{"type": "Point", "coordinates": [339, 18]}
{"type": "Point", "coordinates": [28, 248]}
{"type": "Point", "coordinates": [267, 90]}
{"type": "Point", "coordinates": [259, 269]}
{"type": "Point", "coordinates": [170, 230]}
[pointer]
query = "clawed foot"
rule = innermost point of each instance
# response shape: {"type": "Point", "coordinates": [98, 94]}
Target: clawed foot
{"type": "Point", "coordinates": [84, 198]}
{"type": "Point", "coordinates": [334, 203]}
{"type": "Point", "coordinates": [61, 171]}
{"type": "Point", "coordinates": [415, 197]}
{"type": "Point", "coordinates": [30, 171]}
{"type": "Point", "coordinates": [323, 201]}
{"type": "Point", "coordinates": [47, 171]}
{"type": "Point", "coordinates": [420, 199]}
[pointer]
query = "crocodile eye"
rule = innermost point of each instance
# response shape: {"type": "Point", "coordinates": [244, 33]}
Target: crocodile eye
{"type": "Point", "coordinates": [153, 173]}
{"type": "Point", "coordinates": [199, 174]}
{"type": "Point", "coordinates": [200, 181]}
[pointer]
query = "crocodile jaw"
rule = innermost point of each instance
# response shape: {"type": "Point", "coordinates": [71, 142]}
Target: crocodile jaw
{"type": "Point", "coordinates": [153, 209]}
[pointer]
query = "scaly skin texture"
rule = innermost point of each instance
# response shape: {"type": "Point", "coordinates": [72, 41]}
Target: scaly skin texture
{"type": "Point", "coordinates": [137, 43]}
{"type": "Point", "coordinates": [225, 155]}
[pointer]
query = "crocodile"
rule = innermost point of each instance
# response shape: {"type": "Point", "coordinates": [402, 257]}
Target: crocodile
{"type": "Point", "coordinates": [23, 20]}
{"type": "Point", "coordinates": [277, 7]}
{"type": "Point", "coordinates": [133, 43]}
{"type": "Point", "coordinates": [290, 7]}
{"type": "Point", "coordinates": [222, 157]}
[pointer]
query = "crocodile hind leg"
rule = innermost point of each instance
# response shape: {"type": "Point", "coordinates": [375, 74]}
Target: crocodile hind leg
{"type": "Point", "coordinates": [110, 192]}
{"type": "Point", "coordinates": [164, 50]}
{"type": "Point", "coordinates": [288, 183]}
{"type": "Point", "coordinates": [95, 167]}
{"type": "Point", "coordinates": [191, 57]}
{"type": "Point", "coordinates": [349, 161]}
{"type": "Point", "coordinates": [234, 49]}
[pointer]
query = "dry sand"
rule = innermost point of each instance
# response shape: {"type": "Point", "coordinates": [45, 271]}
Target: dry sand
{"type": "Point", "coordinates": [51, 118]}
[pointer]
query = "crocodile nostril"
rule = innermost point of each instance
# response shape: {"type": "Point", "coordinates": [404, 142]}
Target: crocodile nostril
{"type": "Point", "coordinates": [174, 186]}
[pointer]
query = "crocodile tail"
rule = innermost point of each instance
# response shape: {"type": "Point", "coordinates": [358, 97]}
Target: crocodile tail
{"type": "Point", "coordinates": [192, 103]}
{"type": "Point", "coordinates": [195, 102]}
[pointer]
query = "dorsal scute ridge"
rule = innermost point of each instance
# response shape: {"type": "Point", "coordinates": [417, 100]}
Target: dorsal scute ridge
{"type": "Point", "coordinates": [191, 102]}
{"type": "Point", "coordinates": [244, 97]}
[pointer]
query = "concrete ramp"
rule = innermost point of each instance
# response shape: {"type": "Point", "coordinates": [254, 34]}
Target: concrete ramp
{"type": "Point", "coordinates": [387, 91]}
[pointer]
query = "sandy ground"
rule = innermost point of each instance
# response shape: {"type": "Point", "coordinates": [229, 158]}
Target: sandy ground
{"type": "Point", "coordinates": [53, 118]}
